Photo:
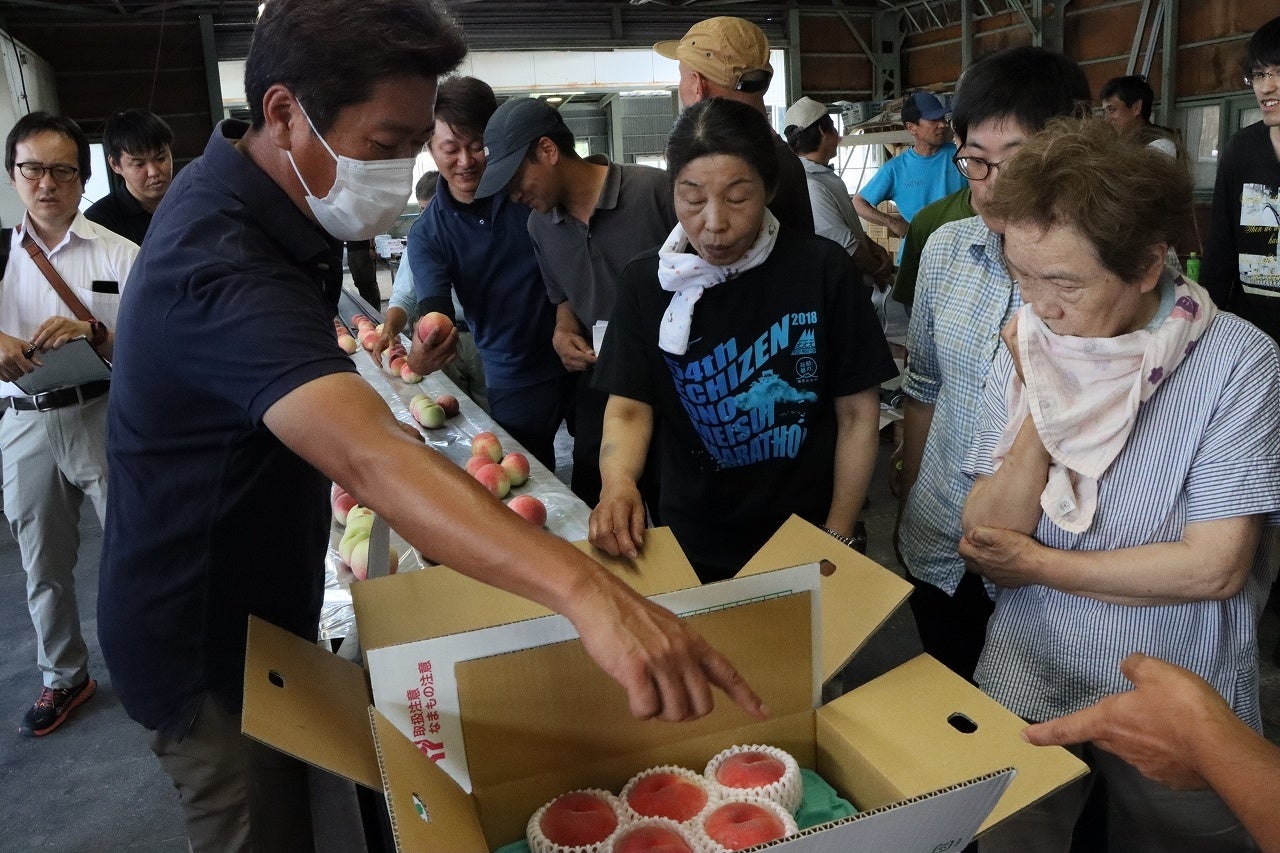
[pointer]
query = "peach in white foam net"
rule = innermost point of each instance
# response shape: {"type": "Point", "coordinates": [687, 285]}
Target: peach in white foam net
{"type": "Point", "coordinates": [759, 771]}
{"type": "Point", "coordinates": [670, 792]}
{"type": "Point", "coordinates": [653, 835]}
{"type": "Point", "coordinates": [578, 819]}
{"type": "Point", "coordinates": [750, 769]}
{"type": "Point", "coordinates": [739, 824]}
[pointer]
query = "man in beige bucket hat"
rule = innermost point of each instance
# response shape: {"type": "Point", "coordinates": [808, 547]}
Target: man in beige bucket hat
{"type": "Point", "coordinates": [729, 58]}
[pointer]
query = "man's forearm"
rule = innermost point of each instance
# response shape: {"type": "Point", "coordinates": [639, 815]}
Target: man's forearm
{"type": "Point", "coordinates": [1243, 768]}
{"type": "Point", "coordinates": [874, 215]}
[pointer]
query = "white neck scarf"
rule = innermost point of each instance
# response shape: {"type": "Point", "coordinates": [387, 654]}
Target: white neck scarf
{"type": "Point", "coordinates": [688, 275]}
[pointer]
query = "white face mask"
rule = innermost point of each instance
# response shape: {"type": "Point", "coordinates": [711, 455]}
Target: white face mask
{"type": "Point", "coordinates": [366, 197]}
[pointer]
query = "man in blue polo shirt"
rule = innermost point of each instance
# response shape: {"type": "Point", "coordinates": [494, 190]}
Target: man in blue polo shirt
{"type": "Point", "coordinates": [480, 247]}
{"type": "Point", "coordinates": [918, 176]}
{"type": "Point", "coordinates": [232, 407]}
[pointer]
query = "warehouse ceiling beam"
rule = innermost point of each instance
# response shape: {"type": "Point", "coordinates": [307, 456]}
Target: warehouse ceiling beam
{"type": "Point", "coordinates": [922, 16]}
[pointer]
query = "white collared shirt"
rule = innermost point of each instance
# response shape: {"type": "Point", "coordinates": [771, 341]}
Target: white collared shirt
{"type": "Point", "coordinates": [87, 253]}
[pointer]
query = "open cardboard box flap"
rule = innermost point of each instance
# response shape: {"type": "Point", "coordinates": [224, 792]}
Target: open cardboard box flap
{"type": "Point", "coordinates": [528, 740]}
{"type": "Point", "coordinates": [858, 597]}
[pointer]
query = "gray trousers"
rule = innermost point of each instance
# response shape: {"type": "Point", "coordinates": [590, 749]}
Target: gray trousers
{"type": "Point", "coordinates": [51, 460]}
{"type": "Point", "coordinates": [1142, 816]}
{"type": "Point", "coordinates": [237, 795]}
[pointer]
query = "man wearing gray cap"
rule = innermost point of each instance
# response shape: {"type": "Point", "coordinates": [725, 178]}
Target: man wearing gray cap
{"type": "Point", "coordinates": [729, 58]}
{"type": "Point", "coordinates": [918, 176]}
{"type": "Point", "coordinates": [590, 217]}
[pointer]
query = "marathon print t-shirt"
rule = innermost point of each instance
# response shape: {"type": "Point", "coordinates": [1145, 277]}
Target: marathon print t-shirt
{"type": "Point", "coordinates": [746, 416]}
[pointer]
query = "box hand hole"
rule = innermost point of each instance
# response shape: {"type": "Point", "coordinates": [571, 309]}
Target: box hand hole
{"type": "Point", "coordinates": [275, 678]}
{"type": "Point", "coordinates": [962, 724]}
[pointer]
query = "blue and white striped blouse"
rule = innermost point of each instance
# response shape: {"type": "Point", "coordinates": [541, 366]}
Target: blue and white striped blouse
{"type": "Point", "coordinates": [1206, 446]}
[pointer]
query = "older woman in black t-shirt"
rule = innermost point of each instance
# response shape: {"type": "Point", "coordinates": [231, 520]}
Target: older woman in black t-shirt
{"type": "Point", "coordinates": [752, 347]}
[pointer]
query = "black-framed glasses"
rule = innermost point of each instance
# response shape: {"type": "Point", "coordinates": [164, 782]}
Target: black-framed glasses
{"type": "Point", "coordinates": [1255, 78]}
{"type": "Point", "coordinates": [33, 171]}
{"type": "Point", "coordinates": [975, 168]}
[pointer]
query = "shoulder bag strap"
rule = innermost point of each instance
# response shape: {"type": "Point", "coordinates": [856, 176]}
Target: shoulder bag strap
{"type": "Point", "coordinates": [6, 238]}
{"type": "Point", "coordinates": [42, 261]}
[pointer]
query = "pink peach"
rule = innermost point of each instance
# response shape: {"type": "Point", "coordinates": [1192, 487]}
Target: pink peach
{"type": "Point", "coordinates": [651, 839]}
{"type": "Point", "coordinates": [475, 463]}
{"type": "Point", "coordinates": [348, 343]}
{"type": "Point", "coordinates": [368, 337]}
{"type": "Point", "coordinates": [529, 508]}
{"type": "Point", "coordinates": [449, 403]}
{"type": "Point", "coordinates": [517, 465]}
{"type": "Point", "coordinates": [665, 794]}
{"type": "Point", "coordinates": [407, 374]}
{"type": "Point", "coordinates": [342, 504]}
{"type": "Point", "coordinates": [750, 769]}
{"type": "Point", "coordinates": [431, 416]}
{"type": "Point", "coordinates": [487, 444]}
{"type": "Point", "coordinates": [493, 478]}
{"type": "Point", "coordinates": [434, 323]}
{"type": "Point", "coordinates": [577, 819]}
{"type": "Point", "coordinates": [738, 825]}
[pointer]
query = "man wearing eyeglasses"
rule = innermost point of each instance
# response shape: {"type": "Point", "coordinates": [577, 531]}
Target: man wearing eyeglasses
{"type": "Point", "coordinates": [964, 296]}
{"type": "Point", "coordinates": [1240, 269]}
{"type": "Point", "coordinates": [52, 443]}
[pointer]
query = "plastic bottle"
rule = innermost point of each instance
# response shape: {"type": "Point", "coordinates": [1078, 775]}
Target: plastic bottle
{"type": "Point", "coordinates": [1193, 267]}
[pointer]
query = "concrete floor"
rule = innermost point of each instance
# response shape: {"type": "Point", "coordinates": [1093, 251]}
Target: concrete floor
{"type": "Point", "coordinates": [93, 785]}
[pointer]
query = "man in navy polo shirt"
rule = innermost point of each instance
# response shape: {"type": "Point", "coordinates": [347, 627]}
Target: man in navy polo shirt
{"type": "Point", "coordinates": [232, 407]}
{"type": "Point", "coordinates": [480, 247]}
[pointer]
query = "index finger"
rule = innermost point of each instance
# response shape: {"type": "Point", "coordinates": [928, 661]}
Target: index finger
{"type": "Point", "coordinates": [720, 672]}
{"type": "Point", "coordinates": [1080, 727]}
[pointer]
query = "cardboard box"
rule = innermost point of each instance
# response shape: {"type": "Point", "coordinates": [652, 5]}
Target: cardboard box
{"type": "Point", "coordinates": [920, 752]}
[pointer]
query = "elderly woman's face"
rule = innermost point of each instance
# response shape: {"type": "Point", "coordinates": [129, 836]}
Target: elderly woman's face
{"type": "Point", "coordinates": [1061, 278]}
{"type": "Point", "coordinates": [720, 201]}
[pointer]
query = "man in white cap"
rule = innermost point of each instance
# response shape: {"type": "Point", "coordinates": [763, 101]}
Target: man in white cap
{"type": "Point", "coordinates": [729, 58]}
{"type": "Point", "coordinates": [812, 135]}
{"type": "Point", "coordinates": [918, 176]}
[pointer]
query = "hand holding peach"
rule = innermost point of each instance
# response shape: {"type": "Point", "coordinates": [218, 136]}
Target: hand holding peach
{"type": "Point", "coordinates": [435, 344]}
{"type": "Point", "coordinates": [434, 328]}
